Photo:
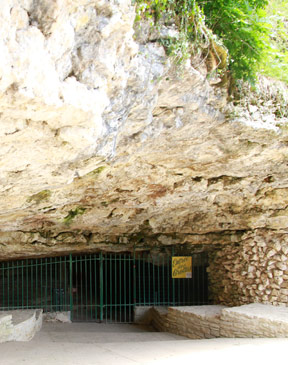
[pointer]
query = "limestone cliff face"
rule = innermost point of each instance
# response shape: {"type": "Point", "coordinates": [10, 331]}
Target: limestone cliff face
{"type": "Point", "coordinates": [105, 145]}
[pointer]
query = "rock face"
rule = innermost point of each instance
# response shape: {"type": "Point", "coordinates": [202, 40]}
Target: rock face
{"type": "Point", "coordinates": [105, 145]}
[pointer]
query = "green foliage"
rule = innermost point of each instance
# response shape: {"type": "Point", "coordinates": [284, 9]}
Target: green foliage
{"type": "Point", "coordinates": [255, 33]}
{"type": "Point", "coordinates": [189, 18]}
{"type": "Point", "coordinates": [178, 48]}
{"type": "Point", "coordinates": [275, 62]}
{"type": "Point", "coordinates": [244, 30]}
{"type": "Point", "coordinates": [240, 24]}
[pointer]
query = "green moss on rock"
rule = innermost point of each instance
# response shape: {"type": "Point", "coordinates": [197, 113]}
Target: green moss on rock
{"type": "Point", "coordinates": [72, 214]}
{"type": "Point", "coordinates": [43, 195]}
{"type": "Point", "coordinates": [96, 172]}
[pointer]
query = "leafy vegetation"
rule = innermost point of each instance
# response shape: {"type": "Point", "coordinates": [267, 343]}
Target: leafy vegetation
{"type": "Point", "coordinates": [187, 16]}
{"type": "Point", "coordinates": [275, 61]}
{"type": "Point", "coordinates": [253, 31]}
{"type": "Point", "coordinates": [244, 30]}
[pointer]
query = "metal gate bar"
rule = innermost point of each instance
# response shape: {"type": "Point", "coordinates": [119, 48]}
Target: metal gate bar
{"type": "Point", "coordinates": [34, 283]}
{"type": "Point", "coordinates": [100, 287]}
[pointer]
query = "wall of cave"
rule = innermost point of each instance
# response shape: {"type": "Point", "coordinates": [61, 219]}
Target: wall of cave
{"type": "Point", "coordinates": [253, 271]}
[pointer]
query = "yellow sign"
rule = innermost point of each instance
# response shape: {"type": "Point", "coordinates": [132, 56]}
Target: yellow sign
{"type": "Point", "coordinates": [182, 267]}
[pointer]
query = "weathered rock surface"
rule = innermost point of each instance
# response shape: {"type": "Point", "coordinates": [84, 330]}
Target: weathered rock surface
{"type": "Point", "coordinates": [19, 325]}
{"type": "Point", "coordinates": [252, 320]}
{"type": "Point", "coordinates": [105, 145]}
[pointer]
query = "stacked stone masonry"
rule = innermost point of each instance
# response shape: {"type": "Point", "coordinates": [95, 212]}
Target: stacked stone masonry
{"type": "Point", "coordinates": [256, 271]}
{"type": "Point", "coordinates": [199, 322]}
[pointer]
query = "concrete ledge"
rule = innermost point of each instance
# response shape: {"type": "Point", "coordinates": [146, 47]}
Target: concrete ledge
{"type": "Point", "coordinates": [6, 327]}
{"type": "Point", "coordinates": [63, 317]}
{"type": "Point", "coordinates": [255, 320]}
{"type": "Point", "coordinates": [197, 322]}
{"type": "Point", "coordinates": [142, 314]}
{"type": "Point", "coordinates": [20, 325]}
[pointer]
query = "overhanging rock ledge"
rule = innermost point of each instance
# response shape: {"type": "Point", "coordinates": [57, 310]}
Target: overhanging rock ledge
{"type": "Point", "coordinates": [105, 146]}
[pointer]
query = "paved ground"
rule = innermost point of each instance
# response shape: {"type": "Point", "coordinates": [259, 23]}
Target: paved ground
{"type": "Point", "coordinates": [89, 344]}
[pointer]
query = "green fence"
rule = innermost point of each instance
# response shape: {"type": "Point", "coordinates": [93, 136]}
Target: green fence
{"type": "Point", "coordinates": [100, 287]}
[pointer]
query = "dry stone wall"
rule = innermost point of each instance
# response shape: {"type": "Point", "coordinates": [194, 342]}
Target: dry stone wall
{"type": "Point", "coordinates": [254, 271]}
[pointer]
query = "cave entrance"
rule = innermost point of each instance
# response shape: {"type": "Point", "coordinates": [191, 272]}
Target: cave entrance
{"type": "Point", "coordinates": [101, 287]}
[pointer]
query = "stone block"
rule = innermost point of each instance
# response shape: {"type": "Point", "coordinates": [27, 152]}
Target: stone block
{"type": "Point", "coordinates": [285, 249]}
{"type": "Point", "coordinates": [271, 253]}
{"type": "Point", "coordinates": [278, 273]}
{"type": "Point", "coordinates": [252, 320]}
{"type": "Point", "coordinates": [281, 266]}
{"type": "Point", "coordinates": [20, 325]}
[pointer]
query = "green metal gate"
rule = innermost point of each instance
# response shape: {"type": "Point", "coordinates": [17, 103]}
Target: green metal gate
{"type": "Point", "coordinates": [100, 287]}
